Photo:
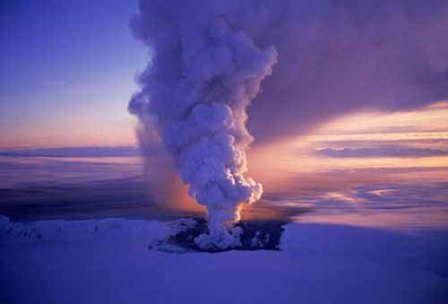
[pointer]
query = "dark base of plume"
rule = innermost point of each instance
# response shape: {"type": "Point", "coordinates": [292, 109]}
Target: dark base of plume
{"type": "Point", "coordinates": [256, 235]}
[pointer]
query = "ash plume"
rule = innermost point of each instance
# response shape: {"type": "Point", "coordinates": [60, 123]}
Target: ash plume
{"type": "Point", "coordinates": [209, 60]}
{"type": "Point", "coordinates": [203, 74]}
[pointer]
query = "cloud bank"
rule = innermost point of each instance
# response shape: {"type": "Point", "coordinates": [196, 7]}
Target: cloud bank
{"type": "Point", "coordinates": [396, 151]}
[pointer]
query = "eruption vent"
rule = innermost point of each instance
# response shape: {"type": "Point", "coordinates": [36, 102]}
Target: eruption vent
{"type": "Point", "coordinates": [203, 74]}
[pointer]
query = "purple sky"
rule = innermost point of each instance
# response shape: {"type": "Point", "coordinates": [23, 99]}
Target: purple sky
{"type": "Point", "coordinates": [66, 72]}
{"type": "Point", "coordinates": [67, 67]}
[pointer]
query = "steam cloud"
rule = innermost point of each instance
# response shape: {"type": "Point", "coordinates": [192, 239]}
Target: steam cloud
{"type": "Point", "coordinates": [202, 77]}
{"type": "Point", "coordinates": [209, 58]}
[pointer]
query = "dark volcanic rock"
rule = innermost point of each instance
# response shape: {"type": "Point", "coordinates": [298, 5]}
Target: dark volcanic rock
{"type": "Point", "coordinates": [256, 235]}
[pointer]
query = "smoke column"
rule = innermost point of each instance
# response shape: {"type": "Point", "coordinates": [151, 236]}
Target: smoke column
{"type": "Point", "coordinates": [201, 79]}
{"type": "Point", "coordinates": [209, 58]}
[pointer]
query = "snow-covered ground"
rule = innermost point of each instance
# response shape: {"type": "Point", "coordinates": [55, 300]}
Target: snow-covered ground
{"type": "Point", "coordinates": [108, 261]}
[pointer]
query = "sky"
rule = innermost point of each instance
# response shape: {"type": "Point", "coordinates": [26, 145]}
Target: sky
{"type": "Point", "coordinates": [67, 68]}
{"type": "Point", "coordinates": [67, 71]}
{"type": "Point", "coordinates": [365, 140]}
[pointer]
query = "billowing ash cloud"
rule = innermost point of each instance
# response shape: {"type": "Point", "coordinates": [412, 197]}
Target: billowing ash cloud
{"type": "Point", "coordinates": [209, 58]}
{"type": "Point", "coordinates": [341, 56]}
{"type": "Point", "coordinates": [203, 75]}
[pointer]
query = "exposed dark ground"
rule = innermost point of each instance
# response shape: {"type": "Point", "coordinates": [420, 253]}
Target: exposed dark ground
{"type": "Point", "coordinates": [256, 235]}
